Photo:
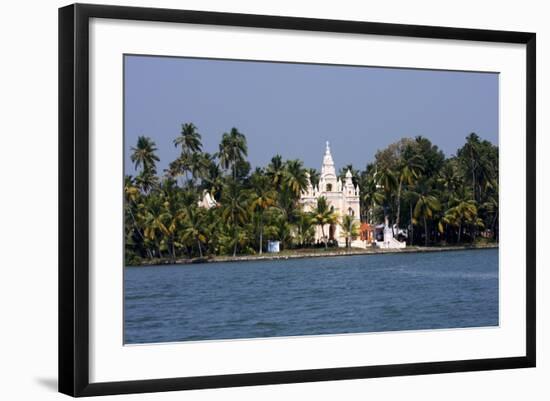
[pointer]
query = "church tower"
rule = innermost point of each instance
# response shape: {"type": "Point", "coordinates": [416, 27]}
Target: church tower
{"type": "Point", "coordinates": [342, 197]}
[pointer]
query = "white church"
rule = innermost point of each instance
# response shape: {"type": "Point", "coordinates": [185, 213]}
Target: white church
{"type": "Point", "coordinates": [343, 197]}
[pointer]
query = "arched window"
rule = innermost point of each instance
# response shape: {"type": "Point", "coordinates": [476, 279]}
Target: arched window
{"type": "Point", "coordinates": [351, 212]}
{"type": "Point", "coordinates": [329, 187]}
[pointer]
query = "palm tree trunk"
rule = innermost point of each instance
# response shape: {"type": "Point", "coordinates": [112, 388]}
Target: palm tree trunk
{"type": "Point", "coordinates": [324, 238]}
{"type": "Point", "coordinates": [235, 244]}
{"type": "Point", "coordinates": [459, 232]}
{"type": "Point", "coordinates": [412, 225]}
{"type": "Point", "coordinates": [397, 218]}
{"type": "Point", "coordinates": [261, 236]}
{"type": "Point", "coordinates": [200, 249]}
{"type": "Point", "coordinates": [425, 232]}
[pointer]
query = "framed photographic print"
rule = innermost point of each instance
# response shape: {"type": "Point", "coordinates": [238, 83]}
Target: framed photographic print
{"type": "Point", "coordinates": [250, 199]}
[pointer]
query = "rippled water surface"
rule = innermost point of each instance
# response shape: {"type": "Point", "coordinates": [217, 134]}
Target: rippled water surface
{"type": "Point", "coordinates": [311, 296]}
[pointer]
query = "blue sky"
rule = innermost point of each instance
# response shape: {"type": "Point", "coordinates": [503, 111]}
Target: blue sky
{"type": "Point", "coordinates": [292, 109]}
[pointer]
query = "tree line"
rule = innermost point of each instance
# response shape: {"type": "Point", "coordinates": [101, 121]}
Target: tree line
{"type": "Point", "coordinates": [410, 184]}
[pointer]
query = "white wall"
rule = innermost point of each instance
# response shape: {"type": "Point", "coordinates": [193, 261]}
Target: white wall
{"type": "Point", "coordinates": [28, 223]}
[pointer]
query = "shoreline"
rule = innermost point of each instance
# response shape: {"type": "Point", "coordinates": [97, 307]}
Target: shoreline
{"type": "Point", "coordinates": [315, 254]}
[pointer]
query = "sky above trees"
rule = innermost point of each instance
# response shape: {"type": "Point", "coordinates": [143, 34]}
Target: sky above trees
{"type": "Point", "coordinates": [292, 109]}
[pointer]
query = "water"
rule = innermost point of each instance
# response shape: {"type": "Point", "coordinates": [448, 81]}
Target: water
{"type": "Point", "coordinates": [329, 295]}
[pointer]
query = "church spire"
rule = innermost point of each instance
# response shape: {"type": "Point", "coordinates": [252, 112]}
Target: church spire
{"type": "Point", "coordinates": [327, 169]}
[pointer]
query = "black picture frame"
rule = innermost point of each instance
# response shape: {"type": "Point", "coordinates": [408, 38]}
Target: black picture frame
{"type": "Point", "coordinates": [74, 198]}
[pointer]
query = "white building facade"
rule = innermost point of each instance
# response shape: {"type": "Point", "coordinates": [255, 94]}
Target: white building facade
{"type": "Point", "coordinates": [343, 197]}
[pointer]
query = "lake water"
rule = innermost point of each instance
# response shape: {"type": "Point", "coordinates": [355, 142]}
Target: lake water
{"type": "Point", "coordinates": [328, 295]}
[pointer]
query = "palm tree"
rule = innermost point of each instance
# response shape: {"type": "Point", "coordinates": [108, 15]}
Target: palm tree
{"type": "Point", "coordinates": [295, 178]}
{"type": "Point", "coordinates": [199, 165]}
{"type": "Point", "coordinates": [371, 196]}
{"type": "Point", "coordinates": [153, 216]}
{"type": "Point", "coordinates": [146, 181]}
{"type": "Point", "coordinates": [303, 223]}
{"type": "Point", "coordinates": [189, 140]}
{"type": "Point", "coordinates": [232, 150]}
{"type": "Point", "coordinates": [450, 178]}
{"type": "Point", "coordinates": [262, 197]}
{"type": "Point", "coordinates": [491, 205]}
{"type": "Point", "coordinates": [234, 209]}
{"type": "Point", "coordinates": [132, 200]}
{"type": "Point", "coordinates": [275, 171]}
{"type": "Point", "coordinates": [465, 212]}
{"type": "Point", "coordinates": [213, 181]}
{"type": "Point", "coordinates": [426, 205]}
{"type": "Point", "coordinates": [350, 228]}
{"type": "Point", "coordinates": [386, 180]}
{"type": "Point", "coordinates": [314, 176]}
{"type": "Point", "coordinates": [323, 214]}
{"type": "Point", "coordinates": [143, 155]}
{"type": "Point", "coordinates": [411, 198]}
{"type": "Point", "coordinates": [470, 154]}
{"type": "Point", "coordinates": [193, 219]}
{"type": "Point", "coordinates": [408, 172]}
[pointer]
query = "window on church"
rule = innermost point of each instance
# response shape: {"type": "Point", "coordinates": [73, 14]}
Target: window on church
{"type": "Point", "coordinates": [329, 187]}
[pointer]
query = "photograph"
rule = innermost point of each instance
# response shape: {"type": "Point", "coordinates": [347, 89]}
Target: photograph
{"type": "Point", "coordinates": [269, 199]}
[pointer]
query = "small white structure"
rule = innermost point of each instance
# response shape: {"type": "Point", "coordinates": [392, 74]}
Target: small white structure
{"type": "Point", "coordinates": [273, 246]}
{"type": "Point", "coordinates": [207, 200]}
{"type": "Point", "coordinates": [389, 242]}
{"type": "Point", "coordinates": [343, 197]}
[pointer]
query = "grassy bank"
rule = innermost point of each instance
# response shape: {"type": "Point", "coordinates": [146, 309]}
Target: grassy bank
{"type": "Point", "coordinates": [317, 252]}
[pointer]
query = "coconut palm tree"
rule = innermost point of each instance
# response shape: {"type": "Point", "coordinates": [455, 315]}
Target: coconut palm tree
{"type": "Point", "coordinates": [153, 216]}
{"type": "Point", "coordinates": [490, 206]}
{"type": "Point", "coordinates": [234, 213]}
{"type": "Point", "coordinates": [212, 181]}
{"type": "Point", "coordinates": [470, 154]}
{"type": "Point", "coordinates": [407, 173]}
{"type": "Point", "coordinates": [426, 204]}
{"type": "Point", "coordinates": [322, 215]}
{"type": "Point", "coordinates": [411, 197]}
{"type": "Point", "coordinates": [232, 149]}
{"type": "Point", "coordinates": [464, 212]}
{"type": "Point", "coordinates": [450, 178]}
{"type": "Point", "coordinates": [371, 196]}
{"type": "Point", "coordinates": [314, 176]}
{"type": "Point", "coordinates": [189, 140]}
{"type": "Point", "coordinates": [303, 223]}
{"type": "Point", "coordinates": [262, 197]}
{"type": "Point", "coordinates": [144, 156]}
{"type": "Point", "coordinates": [386, 180]}
{"type": "Point", "coordinates": [350, 228]}
{"type": "Point", "coordinates": [275, 171]}
{"type": "Point", "coordinates": [295, 178]}
{"type": "Point", "coordinates": [194, 227]}
{"type": "Point", "coordinates": [146, 181]}
{"type": "Point", "coordinates": [132, 197]}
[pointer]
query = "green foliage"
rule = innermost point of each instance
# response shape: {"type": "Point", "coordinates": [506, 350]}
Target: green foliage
{"type": "Point", "coordinates": [410, 184]}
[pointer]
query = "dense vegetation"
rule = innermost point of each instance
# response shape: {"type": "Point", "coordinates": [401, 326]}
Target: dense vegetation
{"type": "Point", "coordinates": [410, 184]}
